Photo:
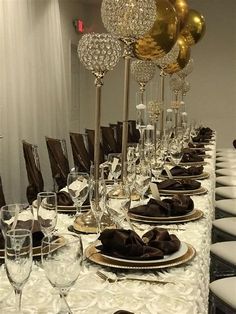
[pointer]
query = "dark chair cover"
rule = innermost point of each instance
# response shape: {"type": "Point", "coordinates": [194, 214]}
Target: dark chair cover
{"type": "Point", "coordinates": [135, 135]}
{"type": "Point", "coordinates": [91, 133]}
{"type": "Point", "coordinates": [79, 151]}
{"type": "Point", "coordinates": [234, 143]}
{"type": "Point", "coordinates": [59, 163]}
{"type": "Point", "coordinates": [34, 174]}
{"type": "Point", "coordinates": [2, 198]}
{"type": "Point", "coordinates": [108, 140]}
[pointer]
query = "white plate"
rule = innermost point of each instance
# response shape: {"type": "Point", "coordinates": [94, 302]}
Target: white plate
{"type": "Point", "coordinates": [201, 176]}
{"type": "Point", "coordinates": [182, 250]}
{"type": "Point", "coordinates": [198, 191]}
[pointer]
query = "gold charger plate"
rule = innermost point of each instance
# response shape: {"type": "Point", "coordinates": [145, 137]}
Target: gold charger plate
{"type": "Point", "coordinates": [204, 175]}
{"type": "Point", "coordinates": [67, 209]}
{"type": "Point", "coordinates": [95, 256]}
{"type": "Point", "coordinates": [193, 163]}
{"type": "Point", "coordinates": [199, 191]}
{"type": "Point", "coordinates": [196, 214]}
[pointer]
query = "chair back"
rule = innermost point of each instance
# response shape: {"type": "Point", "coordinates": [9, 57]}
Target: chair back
{"type": "Point", "coordinates": [91, 134]}
{"type": "Point", "coordinates": [59, 163]}
{"type": "Point", "coordinates": [2, 198]}
{"type": "Point", "coordinates": [135, 135]}
{"type": "Point", "coordinates": [33, 170]}
{"type": "Point", "coordinates": [108, 140]}
{"type": "Point", "coordinates": [79, 151]}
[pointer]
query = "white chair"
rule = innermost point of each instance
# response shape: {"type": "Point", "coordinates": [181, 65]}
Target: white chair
{"type": "Point", "coordinates": [222, 296]}
{"type": "Point", "coordinates": [225, 172]}
{"type": "Point", "coordinates": [226, 181]}
{"type": "Point", "coordinates": [225, 208]}
{"type": "Point", "coordinates": [224, 229]}
{"type": "Point", "coordinates": [224, 192]}
{"type": "Point", "coordinates": [226, 164]}
{"type": "Point", "coordinates": [226, 159]}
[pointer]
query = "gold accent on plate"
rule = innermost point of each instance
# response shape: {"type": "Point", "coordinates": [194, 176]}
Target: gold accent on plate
{"type": "Point", "coordinates": [199, 191]}
{"type": "Point", "coordinates": [204, 175]}
{"type": "Point", "coordinates": [197, 214]}
{"type": "Point", "coordinates": [93, 255]}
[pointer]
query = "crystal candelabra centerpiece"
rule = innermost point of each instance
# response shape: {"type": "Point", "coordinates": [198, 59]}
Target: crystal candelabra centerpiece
{"type": "Point", "coordinates": [186, 70]}
{"type": "Point", "coordinates": [154, 110]}
{"type": "Point", "coordinates": [99, 53]}
{"type": "Point", "coordinates": [169, 58]}
{"type": "Point", "coordinates": [185, 88]}
{"type": "Point", "coordinates": [128, 20]}
{"type": "Point", "coordinates": [143, 72]}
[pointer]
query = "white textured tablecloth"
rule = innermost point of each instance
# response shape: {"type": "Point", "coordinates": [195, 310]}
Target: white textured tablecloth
{"type": "Point", "coordinates": [92, 295]}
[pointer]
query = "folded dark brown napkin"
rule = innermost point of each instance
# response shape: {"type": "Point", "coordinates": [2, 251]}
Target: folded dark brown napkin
{"type": "Point", "coordinates": [183, 184]}
{"type": "Point", "coordinates": [204, 135]}
{"type": "Point", "coordinates": [194, 151]}
{"type": "Point", "coordinates": [162, 240]}
{"type": "Point", "coordinates": [127, 244]}
{"type": "Point", "coordinates": [64, 199]}
{"type": "Point", "coordinates": [176, 206]}
{"type": "Point", "coordinates": [182, 171]}
{"type": "Point", "coordinates": [123, 312]}
{"type": "Point", "coordinates": [191, 156]}
{"type": "Point", "coordinates": [37, 234]}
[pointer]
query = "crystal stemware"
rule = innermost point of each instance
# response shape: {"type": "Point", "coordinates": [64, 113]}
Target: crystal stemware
{"type": "Point", "coordinates": [78, 188]}
{"type": "Point", "coordinates": [143, 178]}
{"type": "Point", "coordinates": [176, 151]}
{"type": "Point", "coordinates": [157, 167]}
{"type": "Point", "coordinates": [114, 161]}
{"type": "Point", "coordinates": [18, 260]}
{"type": "Point", "coordinates": [47, 211]}
{"type": "Point", "coordinates": [16, 216]}
{"type": "Point", "coordinates": [62, 257]}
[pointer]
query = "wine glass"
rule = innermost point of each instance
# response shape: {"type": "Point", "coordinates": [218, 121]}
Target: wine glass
{"type": "Point", "coordinates": [47, 211]}
{"type": "Point", "coordinates": [78, 188]}
{"type": "Point", "coordinates": [157, 167]}
{"type": "Point", "coordinates": [18, 260]}
{"type": "Point", "coordinates": [114, 161]}
{"type": "Point", "coordinates": [118, 201]}
{"type": "Point", "coordinates": [62, 257]}
{"type": "Point", "coordinates": [176, 151]}
{"type": "Point", "coordinates": [143, 179]}
{"type": "Point", "coordinates": [16, 216]}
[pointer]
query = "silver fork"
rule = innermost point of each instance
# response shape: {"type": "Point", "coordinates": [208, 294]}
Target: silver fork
{"type": "Point", "coordinates": [106, 277]}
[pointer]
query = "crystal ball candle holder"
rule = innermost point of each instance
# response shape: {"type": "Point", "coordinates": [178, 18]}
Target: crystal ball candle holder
{"type": "Point", "coordinates": [176, 83]}
{"type": "Point", "coordinates": [128, 18]}
{"type": "Point", "coordinates": [169, 58]}
{"type": "Point", "coordinates": [143, 71]}
{"type": "Point", "coordinates": [99, 53]}
{"type": "Point", "coordinates": [186, 70]}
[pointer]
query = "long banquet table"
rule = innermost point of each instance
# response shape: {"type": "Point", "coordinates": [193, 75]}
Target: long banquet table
{"type": "Point", "coordinates": [91, 295]}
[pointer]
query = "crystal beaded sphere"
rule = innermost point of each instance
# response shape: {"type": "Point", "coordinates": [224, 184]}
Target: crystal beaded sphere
{"type": "Point", "coordinates": [99, 52]}
{"type": "Point", "coordinates": [187, 69]}
{"type": "Point", "coordinates": [143, 71]}
{"type": "Point", "coordinates": [169, 58]}
{"type": "Point", "coordinates": [185, 87]}
{"type": "Point", "coordinates": [176, 83]}
{"type": "Point", "coordinates": [128, 18]}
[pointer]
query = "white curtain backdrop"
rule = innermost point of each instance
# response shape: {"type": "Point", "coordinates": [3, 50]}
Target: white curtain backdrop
{"type": "Point", "coordinates": [33, 98]}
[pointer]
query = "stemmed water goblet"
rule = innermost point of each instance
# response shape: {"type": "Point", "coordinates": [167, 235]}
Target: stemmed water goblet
{"type": "Point", "coordinates": [18, 260]}
{"type": "Point", "coordinates": [16, 216]}
{"type": "Point", "coordinates": [176, 151]}
{"type": "Point", "coordinates": [47, 211]}
{"type": "Point", "coordinates": [157, 166]}
{"type": "Point", "coordinates": [62, 257]}
{"type": "Point", "coordinates": [78, 188]}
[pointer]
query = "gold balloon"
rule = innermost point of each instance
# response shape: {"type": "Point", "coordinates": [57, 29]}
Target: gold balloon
{"type": "Point", "coordinates": [194, 28]}
{"type": "Point", "coordinates": [182, 9]}
{"type": "Point", "coordinates": [163, 35]}
{"type": "Point", "coordinates": [182, 59]}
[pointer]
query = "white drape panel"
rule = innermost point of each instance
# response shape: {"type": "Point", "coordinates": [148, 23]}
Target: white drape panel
{"type": "Point", "coordinates": [33, 98]}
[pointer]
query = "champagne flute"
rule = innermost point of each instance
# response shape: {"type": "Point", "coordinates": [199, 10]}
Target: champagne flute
{"type": "Point", "coordinates": [157, 167]}
{"type": "Point", "coordinates": [47, 211]}
{"type": "Point", "coordinates": [143, 179]}
{"type": "Point", "coordinates": [18, 260]}
{"type": "Point", "coordinates": [16, 216]}
{"type": "Point", "coordinates": [62, 257]}
{"type": "Point", "coordinates": [114, 161]}
{"type": "Point", "coordinates": [78, 188]}
{"type": "Point", "coordinates": [176, 151]}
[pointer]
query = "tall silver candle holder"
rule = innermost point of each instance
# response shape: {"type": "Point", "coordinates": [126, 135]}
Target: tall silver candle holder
{"type": "Point", "coordinates": [143, 72]}
{"type": "Point", "coordinates": [99, 53]}
{"type": "Point", "coordinates": [169, 58]}
{"type": "Point", "coordinates": [128, 20]}
{"type": "Point", "coordinates": [176, 84]}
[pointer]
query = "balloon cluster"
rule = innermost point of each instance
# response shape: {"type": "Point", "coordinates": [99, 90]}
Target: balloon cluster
{"type": "Point", "coordinates": [175, 24]}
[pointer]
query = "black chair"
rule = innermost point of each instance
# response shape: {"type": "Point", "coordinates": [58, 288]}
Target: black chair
{"type": "Point", "coordinates": [91, 134]}
{"type": "Point", "coordinates": [135, 134]}
{"type": "Point", "coordinates": [59, 163]}
{"type": "Point", "coordinates": [79, 151]}
{"type": "Point", "coordinates": [33, 170]}
{"type": "Point", "coordinates": [2, 197]}
{"type": "Point", "coordinates": [108, 140]}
